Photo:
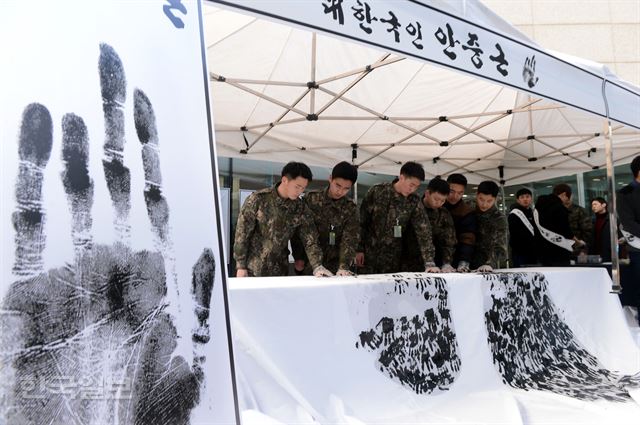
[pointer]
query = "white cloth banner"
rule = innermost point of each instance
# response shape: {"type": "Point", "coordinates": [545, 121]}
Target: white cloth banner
{"type": "Point", "coordinates": [551, 236]}
{"type": "Point", "coordinates": [518, 213]}
{"type": "Point", "coordinates": [418, 348]}
{"type": "Point", "coordinates": [631, 239]}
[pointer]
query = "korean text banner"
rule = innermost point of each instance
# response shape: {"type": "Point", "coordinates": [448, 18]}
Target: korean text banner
{"type": "Point", "coordinates": [465, 43]}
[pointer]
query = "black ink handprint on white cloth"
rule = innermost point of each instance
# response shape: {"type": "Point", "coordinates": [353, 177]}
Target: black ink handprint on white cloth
{"type": "Point", "coordinates": [96, 341]}
{"type": "Point", "coordinates": [420, 350]}
{"type": "Point", "coordinates": [534, 349]}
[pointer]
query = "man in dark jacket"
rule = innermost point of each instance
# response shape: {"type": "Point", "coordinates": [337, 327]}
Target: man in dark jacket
{"type": "Point", "coordinates": [600, 243]}
{"type": "Point", "coordinates": [464, 220]}
{"type": "Point", "coordinates": [556, 240]}
{"type": "Point", "coordinates": [522, 230]}
{"type": "Point", "coordinates": [628, 203]}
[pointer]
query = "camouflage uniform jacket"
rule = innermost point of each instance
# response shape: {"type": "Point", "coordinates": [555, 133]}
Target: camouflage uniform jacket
{"type": "Point", "coordinates": [580, 222]}
{"type": "Point", "coordinates": [443, 234]}
{"type": "Point", "coordinates": [265, 225]}
{"type": "Point", "coordinates": [383, 208]}
{"type": "Point", "coordinates": [339, 216]}
{"type": "Point", "coordinates": [491, 238]}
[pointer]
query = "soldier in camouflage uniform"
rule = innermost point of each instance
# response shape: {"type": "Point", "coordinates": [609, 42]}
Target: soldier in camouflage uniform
{"type": "Point", "coordinates": [580, 222]}
{"type": "Point", "coordinates": [385, 212]}
{"type": "Point", "coordinates": [336, 218]}
{"type": "Point", "coordinates": [268, 219]}
{"type": "Point", "coordinates": [491, 237]}
{"type": "Point", "coordinates": [443, 231]}
{"type": "Point", "coordinates": [579, 219]}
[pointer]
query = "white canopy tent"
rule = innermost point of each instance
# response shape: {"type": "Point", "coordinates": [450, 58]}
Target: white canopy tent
{"type": "Point", "coordinates": [282, 92]}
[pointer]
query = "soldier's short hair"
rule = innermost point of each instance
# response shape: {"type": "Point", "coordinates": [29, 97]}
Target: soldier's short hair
{"type": "Point", "coordinates": [344, 170]}
{"type": "Point", "coordinates": [457, 178]}
{"type": "Point", "coordinates": [412, 169]}
{"type": "Point", "coordinates": [523, 191]}
{"type": "Point", "coordinates": [438, 185]}
{"type": "Point", "coordinates": [293, 170]}
{"type": "Point", "coordinates": [489, 187]}
{"type": "Point", "coordinates": [599, 199]}
{"type": "Point", "coordinates": [635, 166]}
{"type": "Point", "coordinates": [562, 188]}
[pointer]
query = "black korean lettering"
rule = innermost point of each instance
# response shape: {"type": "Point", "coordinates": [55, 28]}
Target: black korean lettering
{"type": "Point", "coordinates": [472, 44]}
{"type": "Point", "coordinates": [447, 40]}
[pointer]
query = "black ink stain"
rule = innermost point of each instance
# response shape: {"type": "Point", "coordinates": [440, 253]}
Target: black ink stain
{"type": "Point", "coordinates": [419, 351]}
{"type": "Point", "coordinates": [533, 349]}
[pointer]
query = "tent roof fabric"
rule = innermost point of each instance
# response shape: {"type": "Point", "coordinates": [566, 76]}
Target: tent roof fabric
{"type": "Point", "coordinates": [386, 109]}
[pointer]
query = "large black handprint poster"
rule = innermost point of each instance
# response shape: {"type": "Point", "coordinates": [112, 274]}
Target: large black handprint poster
{"type": "Point", "coordinates": [112, 298]}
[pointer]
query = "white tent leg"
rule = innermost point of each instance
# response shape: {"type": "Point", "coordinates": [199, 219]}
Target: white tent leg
{"type": "Point", "coordinates": [581, 199]}
{"type": "Point", "coordinates": [613, 222]}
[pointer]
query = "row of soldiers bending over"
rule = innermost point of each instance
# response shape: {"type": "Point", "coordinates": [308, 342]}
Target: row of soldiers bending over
{"type": "Point", "coordinates": [395, 230]}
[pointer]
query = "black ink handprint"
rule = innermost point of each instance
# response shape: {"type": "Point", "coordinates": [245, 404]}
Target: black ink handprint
{"type": "Point", "coordinates": [96, 341]}
{"type": "Point", "coordinates": [419, 351]}
{"type": "Point", "coordinates": [534, 349]}
{"type": "Point", "coordinates": [529, 71]}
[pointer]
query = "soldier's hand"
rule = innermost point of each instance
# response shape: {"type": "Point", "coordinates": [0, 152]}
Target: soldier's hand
{"type": "Point", "coordinates": [343, 272]}
{"type": "Point", "coordinates": [320, 271]}
{"type": "Point", "coordinates": [360, 259]}
{"type": "Point", "coordinates": [486, 268]}
{"type": "Point", "coordinates": [242, 273]}
{"type": "Point", "coordinates": [432, 269]}
{"type": "Point", "coordinates": [463, 267]}
{"type": "Point", "coordinates": [447, 268]}
{"type": "Point", "coordinates": [579, 244]}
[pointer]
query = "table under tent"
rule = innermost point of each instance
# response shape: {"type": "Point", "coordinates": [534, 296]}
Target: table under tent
{"type": "Point", "coordinates": [456, 88]}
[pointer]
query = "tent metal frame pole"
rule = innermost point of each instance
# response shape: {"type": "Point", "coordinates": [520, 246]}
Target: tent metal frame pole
{"type": "Point", "coordinates": [214, 78]}
{"type": "Point", "coordinates": [265, 97]}
{"type": "Point", "coordinates": [278, 121]}
{"type": "Point", "coordinates": [473, 131]}
{"type": "Point", "coordinates": [580, 184]}
{"type": "Point", "coordinates": [360, 70]}
{"type": "Point", "coordinates": [583, 140]}
{"type": "Point", "coordinates": [541, 169]}
{"type": "Point", "coordinates": [404, 139]}
{"type": "Point", "coordinates": [295, 102]}
{"type": "Point", "coordinates": [611, 188]}
{"type": "Point", "coordinates": [312, 97]}
{"type": "Point", "coordinates": [463, 167]}
{"type": "Point", "coordinates": [344, 91]}
{"type": "Point", "coordinates": [613, 221]}
{"type": "Point", "coordinates": [542, 142]}
{"type": "Point", "coordinates": [381, 116]}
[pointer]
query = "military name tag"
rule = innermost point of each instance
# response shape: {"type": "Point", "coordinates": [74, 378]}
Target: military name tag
{"type": "Point", "coordinates": [397, 231]}
{"type": "Point", "coordinates": [332, 238]}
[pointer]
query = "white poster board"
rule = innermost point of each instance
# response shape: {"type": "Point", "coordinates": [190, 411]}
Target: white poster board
{"type": "Point", "coordinates": [113, 280]}
{"type": "Point", "coordinates": [225, 201]}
